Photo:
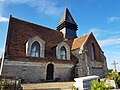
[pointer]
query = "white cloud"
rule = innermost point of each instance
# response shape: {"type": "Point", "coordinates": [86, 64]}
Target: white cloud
{"type": "Point", "coordinates": [48, 7]}
{"type": "Point", "coordinates": [113, 19]}
{"type": "Point", "coordinates": [3, 19]}
{"type": "Point", "coordinates": [97, 32]}
{"type": "Point", "coordinates": [113, 38]}
{"type": "Point", "coordinates": [108, 42]}
{"type": "Point", "coordinates": [105, 33]}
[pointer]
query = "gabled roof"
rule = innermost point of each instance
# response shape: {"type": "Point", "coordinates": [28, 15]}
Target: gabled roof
{"type": "Point", "coordinates": [78, 42]}
{"type": "Point", "coordinates": [81, 41]}
{"type": "Point", "coordinates": [67, 17]}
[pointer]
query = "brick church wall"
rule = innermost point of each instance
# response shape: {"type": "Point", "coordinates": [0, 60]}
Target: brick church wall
{"type": "Point", "coordinates": [91, 40]}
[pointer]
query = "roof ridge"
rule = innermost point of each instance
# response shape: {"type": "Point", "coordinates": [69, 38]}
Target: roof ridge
{"type": "Point", "coordinates": [32, 23]}
{"type": "Point", "coordinates": [79, 42]}
{"type": "Point", "coordinates": [86, 39]}
{"type": "Point", "coordinates": [82, 36]}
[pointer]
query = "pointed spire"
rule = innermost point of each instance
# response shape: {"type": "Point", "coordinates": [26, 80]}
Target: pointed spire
{"type": "Point", "coordinates": [67, 17]}
{"type": "Point", "coordinates": [67, 21]}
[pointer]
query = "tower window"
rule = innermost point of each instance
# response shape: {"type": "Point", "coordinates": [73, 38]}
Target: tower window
{"type": "Point", "coordinates": [63, 53]}
{"type": "Point", "coordinates": [35, 49]}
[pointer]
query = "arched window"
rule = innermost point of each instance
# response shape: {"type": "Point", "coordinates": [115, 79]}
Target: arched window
{"type": "Point", "coordinates": [35, 49]}
{"type": "Point", "coordinates": [63, 53]}
{"type": "Point", "coordinates": [93, 51]}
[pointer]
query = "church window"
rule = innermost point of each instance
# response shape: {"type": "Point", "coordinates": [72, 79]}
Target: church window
{"type": "Point", "coordinates": [35, 49]}
{"type": "Point", "coordinates": [93, 51]}
{"type": "Point", "coordinates": [63, 53]}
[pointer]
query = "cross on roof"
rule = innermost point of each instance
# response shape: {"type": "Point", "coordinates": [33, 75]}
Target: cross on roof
{"type": "Point", "coordinates": [114, 64]}
{"type": "Point", "coordinates": [66, 3]}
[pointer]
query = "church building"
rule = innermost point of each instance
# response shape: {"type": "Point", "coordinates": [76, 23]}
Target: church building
{"type": "Point", "coordinates": [36, 53]}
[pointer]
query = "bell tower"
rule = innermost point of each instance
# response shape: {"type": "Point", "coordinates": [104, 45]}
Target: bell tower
{"type": "Point", "coordinates": [67, 26]}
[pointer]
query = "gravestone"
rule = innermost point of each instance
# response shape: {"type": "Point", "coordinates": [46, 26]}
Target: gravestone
{"type": "Point", "coordinates": [110, 83]}
{"type": "Point", "coordinates": [84, 83]}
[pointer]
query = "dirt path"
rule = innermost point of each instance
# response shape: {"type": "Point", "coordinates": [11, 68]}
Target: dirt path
{"type": "Point", "coordinates": [49, 86]}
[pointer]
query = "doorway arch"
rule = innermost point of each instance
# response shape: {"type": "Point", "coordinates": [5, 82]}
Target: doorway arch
{"type": "Point", "coordinates": [50, 72]}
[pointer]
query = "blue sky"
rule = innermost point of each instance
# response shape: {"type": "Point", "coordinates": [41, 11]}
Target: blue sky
{"type": "Point", "coordinates": [102, 17]}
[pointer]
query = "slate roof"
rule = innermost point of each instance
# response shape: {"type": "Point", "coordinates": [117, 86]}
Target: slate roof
{"type": "Point", "coordinates": [67, 21]}
{"type": "Point", "coordinates": [67, 17]}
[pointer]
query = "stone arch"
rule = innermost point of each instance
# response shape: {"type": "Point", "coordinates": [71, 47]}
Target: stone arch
{"type": "Point", "coordinates": [67, 48]}
{"type": "Point", "coordinates": [31, 41]}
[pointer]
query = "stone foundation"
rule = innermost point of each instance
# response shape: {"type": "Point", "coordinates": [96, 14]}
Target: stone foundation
{"type": "Point", "coordinates": [36, 71]}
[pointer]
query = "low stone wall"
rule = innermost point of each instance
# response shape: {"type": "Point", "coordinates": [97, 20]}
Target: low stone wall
{"type": "Point", "coordinates": [98, 71]}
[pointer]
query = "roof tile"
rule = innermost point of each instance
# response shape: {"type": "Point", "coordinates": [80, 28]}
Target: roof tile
{"type": "Point", "coordinates": [78, 42]}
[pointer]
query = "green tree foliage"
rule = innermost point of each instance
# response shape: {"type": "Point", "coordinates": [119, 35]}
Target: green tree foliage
{"type": "Point", "coordinates": [118, 80]}
{"type": "Point", "coordinates": [110, 71]}
{"type": "Point", "coordinates": [99, 85]}
{"type": "Point", "coordinates": [114, 76]}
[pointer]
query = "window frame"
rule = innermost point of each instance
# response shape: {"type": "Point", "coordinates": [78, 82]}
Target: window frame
{"type": "Point", "coordinates": [66, 46]}
{"type": "Point", "coordinates": [63, 53]}
{"type": "Point", "coordinates": [29, 45]}
{"type": "Point", "coordinates": [35, 49]}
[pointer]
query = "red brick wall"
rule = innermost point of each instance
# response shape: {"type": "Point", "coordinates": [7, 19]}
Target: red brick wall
{"type": "Point", "coordinates": [88, 44]}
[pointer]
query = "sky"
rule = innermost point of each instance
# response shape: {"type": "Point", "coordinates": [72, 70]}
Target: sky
{"type": "Point", "coordinates": [102, 17]}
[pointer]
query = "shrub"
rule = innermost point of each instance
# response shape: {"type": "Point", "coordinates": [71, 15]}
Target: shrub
{"type": "Point", "coordinates": [99, 85]}
{"type": "Point", "coordinates": [110, 71]}
{"type": "Point", "coordinates": [7, 85]}
{"type": "Point", "coordinates": [115, 76]}
{"type": "Point", "coordinates": [74, 88]}
{"type": "Point", "coordinates": [117, 80]}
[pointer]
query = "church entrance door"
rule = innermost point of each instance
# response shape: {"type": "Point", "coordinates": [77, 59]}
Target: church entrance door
{"type": "Point", "coordinates": [50, 72]}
